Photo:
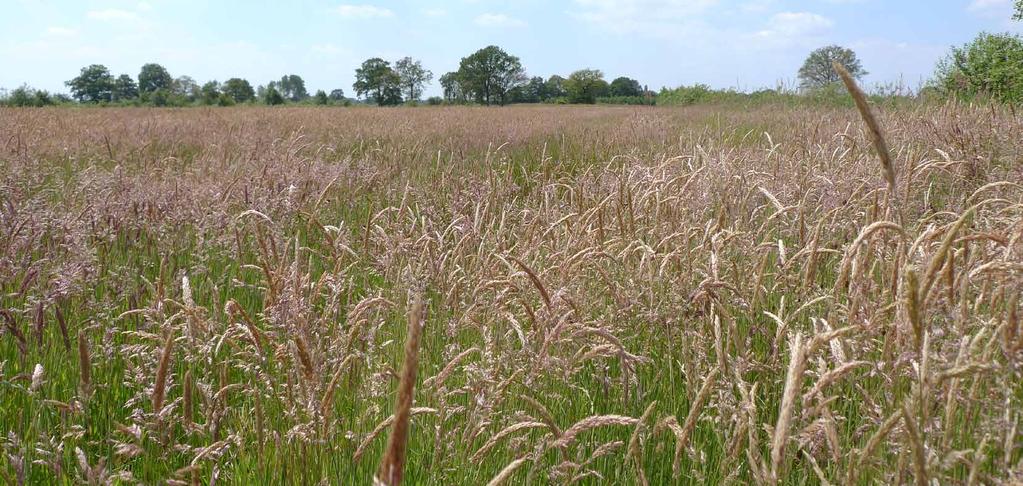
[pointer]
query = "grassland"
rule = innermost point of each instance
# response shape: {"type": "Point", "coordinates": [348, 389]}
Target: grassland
{"type": "Point", "coordinates": [612, 295]}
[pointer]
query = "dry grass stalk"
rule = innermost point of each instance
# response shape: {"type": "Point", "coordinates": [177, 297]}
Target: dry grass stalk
{"type": "Point", "coordinates": [392, 465]}
{"type": "Point", "coordinates": [592, 422]}
{"type": "Point", "coordinates": [635, 450]}
{"type": "Point", "coordinates": [873, 126]}
{"type": "Point", "coordinates": [793, 382]}
{"type": "Point", "coordinates": [682, 441]}
{"type": "Point", "coordinates": [160, 386]}
{"type": "Point", "coordinates": [506, 473]}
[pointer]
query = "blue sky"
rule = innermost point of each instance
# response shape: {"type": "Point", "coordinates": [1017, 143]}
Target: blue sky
{"type": "Point", "coordinates": [725, 43]}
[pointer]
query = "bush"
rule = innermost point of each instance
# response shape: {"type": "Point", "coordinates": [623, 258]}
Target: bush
{"type": "Point", "coordinates": [25, 96]}
{"type": "Point", "coordinates": [990, 65]}
{"type": "Point", "coordinates": [627, 100]}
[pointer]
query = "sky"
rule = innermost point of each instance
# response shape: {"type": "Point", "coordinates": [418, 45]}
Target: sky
{"type": "Point", "coordinates": [743, 44]}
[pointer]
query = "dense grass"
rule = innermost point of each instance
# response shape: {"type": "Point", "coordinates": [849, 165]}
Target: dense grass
{"type": "Point", "coordinates": [676, 253]}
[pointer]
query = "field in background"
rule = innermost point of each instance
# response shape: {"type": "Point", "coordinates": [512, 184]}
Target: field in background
{"type": "Point", "coordinates": [614, 295]}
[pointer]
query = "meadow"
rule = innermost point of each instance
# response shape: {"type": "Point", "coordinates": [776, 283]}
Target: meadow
{"type": "Point", "coordinates": [536, 295]}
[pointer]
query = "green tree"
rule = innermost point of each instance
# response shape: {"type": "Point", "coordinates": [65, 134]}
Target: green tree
{"type": "Point", "coordinates": [488, 74]}
{"type": "Point", "coordinates": [585, 86]}
{"type": "Point", "coordinates": [337, 94]}
{"type": "Point", "coordinates": [554, 88]}
{"type": "Point", "coordinates": [93, 85]}
{"type": "Point", "coordinates": [185, 90]}
{"type": "Point", "coordinates": [210, 93]}
{"type": "Point", "coordinates": [292, 87]}
{"type": "Point", "coordinates": [25, 95]}
{"type": "Point", "coordinates": [413, 77]}
{"type": "Point", "coordinates": [124, 88]}
{"type": "Point", "coordinates": [239, 90]}
{"type": "Point", "coordinates": [451, 84]}
{"type": "Point", "coordinates": [992, 64]}
{"type": "Point", "coordinates": [817, 71]}
{"type": "Point", "coordinates": [624, 86]}
{"type": "Point", "coordinates": [153, 77]}
{"type": "Point", "coordinates": [272, 96]}
{"type": "Point", "coordinates": [376, 81]}
{"type": "Point", "coordinates": [1019, 10]}
{"type": "Point", "coordinates": [321, 98]}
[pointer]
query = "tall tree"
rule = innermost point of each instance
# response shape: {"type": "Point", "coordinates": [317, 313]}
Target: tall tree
{"type": "Point", "coordinates": [817, 71]}
{"type": "Point", "coordinates": [238, 89]}
{"type": "Point", "coordinates": [272, 96]}
{"type": "Point", "coordinates": [93, 84]}
{"type": "Point", "coordinates": [451, 84]}
{"type": "Point", "coordinates": [124, 88]}
{"type": "Point", "coordinates": [489, 73]}
{"type": "Point", "coordinates": [585, 86]}
{"type": "Point", "coordinates": [186, 89]}
{"type": "Point", "coordinates": [292, 87]}
{"type": "Point", "coordinates": [210, 92]}
{"type": "Point", "coordinates": [376, 81]}
{"type": "Point", "coordinates": [554, 87]}
{"type": "Point", "coordinates": [320, 98]}
{"type": "Point", "coordinates": [413, 77]}
{"type": "Point", "coordinates": [337, 94]}
{"type": "Point", "coordinates": [624, 86]}
{"type": "Point", "coordinates": [153, 77]}
{"type": "Point", "coordinates": [1019, 10]}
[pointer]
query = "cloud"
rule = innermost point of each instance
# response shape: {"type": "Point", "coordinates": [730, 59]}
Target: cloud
{"type": "Point", "coordinates": [112, 15]}
{"type": "Point", "coordinates": [363, 12]}
{"type": "Point", "coordinates": [791, 24]}
{"type": "Point", "coordinates": [434, 12]}
{"type": "Point", "coordinates": [987, 5]}
{"type": "Point", "coordinates": [57, 31]}
{"type": "Point", "coordinates": [498, 20]}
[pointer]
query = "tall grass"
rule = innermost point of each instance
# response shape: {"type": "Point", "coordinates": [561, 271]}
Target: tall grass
{"type": "Point", "coordinates": [684, 295]}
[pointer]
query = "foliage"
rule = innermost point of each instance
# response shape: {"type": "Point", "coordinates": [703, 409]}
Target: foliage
{"type": "Point", "coordinates": [239, 90]}
{"type": "Point", "coordinates": [292, 87]}
{"type": "Point", "coordinates": [185, 90]}
{"type": "Point", "coordinates": [210, 93]}
{"type": "Point", "coordinates": [627, 100]}
{"type": "Point", "coordinates": [93, 85]}
{"type": "Point", "coordinates": [153, 77]}
{"type": "Point", "coordinates": [627, 87]}
{"type": "Point", "coordinates": [273, 97]}
{"type": "Point", "coordinates": [124, 88]}
{"type": "Point", "coordinates": [990, 65]}
{"type": "Point", "coordinates": [320, 98]}
{"type": "Point", "coordinates": [25, 96]}
{"type": "Point", "coordinates": [585, 86]}
{"type": "Point", "coordinates": [487, 75]}
{"type": "Point", "coordinates": [337, 94]}
{"type": "Point", "coordinates": [818, 72]}
{"type": "Point", "coordinates": [454, 88]}
{"type": "Point", "coordinates": [412, 77]}
{"type": "Point", "coordinates": [378, 82]}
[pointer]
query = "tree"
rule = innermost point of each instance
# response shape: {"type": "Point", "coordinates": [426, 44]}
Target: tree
{"type": "Point", "coordinates": [451, 84]}
{"type": "Point", "coordinates": [272, 96]}
{"type": "Point", "coordinates": [153, 77]}
{"type": "Point", "coordinates": [1019, 10]}
{"type": "Point", "coordinates": [413, 77]}
{"type": "Point", "coordinates": [210, 93]}
{"type": "Point", "coordinates": [186, 89]}
{"type": "Point", "coordinates": [124, 88]}
{"type": "Point", "coordinates": [93, 84]}
{"type": "Point", "coordinates": [489, 73]}
{"type": "Point", "coordinates": [321, 98]}
{"type": "Point", "coordinates": [292, 87]}
{"type": "Point", "coordinates": [378, 82]}
{"type": "Point", "coordinates": [337, 94]}
{"type": "Point", "coordinates": [624, 86]}
{"type": "Point", "coordinates": [239, 90]}
{"type": "Point", "coordinates": [992, 64]}
{"type": "Point", "coordinates": [585, 86]}
{"type": "Point", "coordinates": [555, 88]}
{"type": "Point", "coordinates": [532, 92]}
{"type": "Point", "coordinates": [817, 72]}
{"type": "Point", "coordinates": [25, 95]}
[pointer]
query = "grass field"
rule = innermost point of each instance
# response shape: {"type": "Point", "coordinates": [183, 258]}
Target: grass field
{"type": "Point", "coordinates": [611, 295]}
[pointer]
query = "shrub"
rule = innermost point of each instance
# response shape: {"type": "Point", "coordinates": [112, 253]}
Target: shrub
{"type": "Point", "coordinates": [990, 65]}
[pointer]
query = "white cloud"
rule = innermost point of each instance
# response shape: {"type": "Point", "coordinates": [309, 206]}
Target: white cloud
{"type": "Point", "coordinates": [363, 11]}
{"type": "Point", "coordinates": [111, 15]}
{"type": "Point", "coordinates": [57, 31]}
{"type": "Point", "coordinates": [790, 24]}
{"type": "Point", "coordinates": [498, 20]}
{"type": "Point", "coordinates": [986, 5]}
{"type": "Point", "coordinates": [434, 12]}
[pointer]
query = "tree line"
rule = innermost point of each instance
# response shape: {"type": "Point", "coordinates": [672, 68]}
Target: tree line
{"type": "Point", "coordinates": [991, 65]}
